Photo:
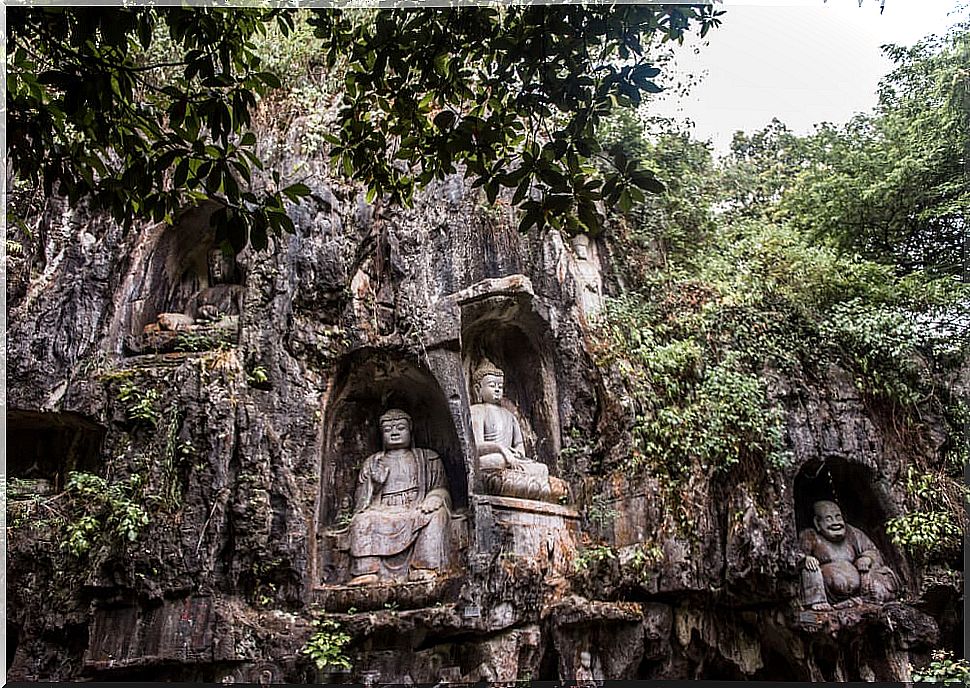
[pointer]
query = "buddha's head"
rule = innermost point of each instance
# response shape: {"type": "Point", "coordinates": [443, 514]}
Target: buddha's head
{"type": "Point", "coordinates": [828, 521]}
{"type": "Point", "coordinates": [221, 267]}
{"type": "Point", "coordinates": [396, 429]}
{"type": "Point", "coordinates": [489, 383]}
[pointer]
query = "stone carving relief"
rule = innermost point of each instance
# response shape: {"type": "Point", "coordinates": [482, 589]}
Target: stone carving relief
{"type": "Point", "coordinates": [505, 469]}
{"type": "Point", "coordinates": [586, 674]}
{"type": "Point", "coordinates": [393, 495]}
{"type": "Point", "coordinates": [589, 281]}
{"type": "Point", "coordinates": [842, 566]}
{"type": "Point", "coordinates": [402, 513]}
{"type": "Point", "coordinates": [262, 674]}
{"type": "Point", "coordinates": [209, 313]}
{"type": "Point", "coordinates": [222, 298]}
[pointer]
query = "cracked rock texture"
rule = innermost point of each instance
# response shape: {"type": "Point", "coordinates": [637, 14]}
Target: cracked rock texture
{"type": "Point", "coordinates": [246, 453]}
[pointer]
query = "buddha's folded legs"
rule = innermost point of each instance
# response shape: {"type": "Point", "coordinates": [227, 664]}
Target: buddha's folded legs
{"type": "Point", "coordinates": [433, 544]}
{"type": "Point", "coordinates": [813, 589]}
{"type": "Point", "coordinates": [361, 566]}
{"type": "Point", "coordinates": [880, 585]}
{"type": "Point", "coordinates": [521, 484]}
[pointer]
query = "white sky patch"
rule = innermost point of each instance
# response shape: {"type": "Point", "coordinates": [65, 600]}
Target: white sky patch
{"type": "Point", "coordinates": [802, 61]}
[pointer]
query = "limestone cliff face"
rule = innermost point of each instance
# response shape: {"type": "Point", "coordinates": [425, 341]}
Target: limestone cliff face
{"type": "Point", "coordinates": [248, 444]}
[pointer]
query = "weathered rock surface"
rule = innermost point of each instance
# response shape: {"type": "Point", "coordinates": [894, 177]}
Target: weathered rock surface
{"type": "Point", "coordinates": [248, 451]}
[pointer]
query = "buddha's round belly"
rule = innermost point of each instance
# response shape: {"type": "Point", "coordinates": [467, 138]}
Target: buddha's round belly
{"type": "Point", "coordinates": [841, 577]}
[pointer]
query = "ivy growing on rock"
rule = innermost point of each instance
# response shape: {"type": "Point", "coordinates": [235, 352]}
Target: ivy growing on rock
{"type": "Point", "coordinates": [105, 514]}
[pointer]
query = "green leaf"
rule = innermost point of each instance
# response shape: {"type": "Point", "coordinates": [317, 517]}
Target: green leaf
{"type": "Point", "coordinates": [231, 186]}
{"type": "Point", "coordinates": [444, 120]}
{"type": "Point", "coordinates": [181, 172]}
{"type": "Point", "coordinates": [236, 232]}
{"type": "Point", "coordinates": [282, 221]}
{"type": "Point", "coordinates": [529, 220]}
{"type": "Point", "coordinates": [625, 201]}
{"type": "Point", "coordinates": [646, 181]}
{"type": "Point", "coordinates": [258, 238]}
{"type": "Point", "coordinates": [589, 217]}
{"type": "Point", "coordinates": [491, 191]}
{"type": "Point", "coordinates": [270, 79]}
{"type": "Point", "coordinates": [296, 191]}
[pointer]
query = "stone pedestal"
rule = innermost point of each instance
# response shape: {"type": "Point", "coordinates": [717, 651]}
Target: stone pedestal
{"type": "Point", "coordinates": [536, 530]}
{"type": "Point", "coordinates": [387, 595]}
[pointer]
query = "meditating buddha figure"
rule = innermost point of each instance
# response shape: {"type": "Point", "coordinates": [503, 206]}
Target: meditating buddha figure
{"type": "Point", "coordinates": [401, 526]}
{"type": "Point", "coordinates": [211, 312]}
{"type": "Point", "coordinates": [223, 297]}
{"type": "Point", "coordinates": [842, 565]}
{"type": "Point", "coordinates": [506, 470]}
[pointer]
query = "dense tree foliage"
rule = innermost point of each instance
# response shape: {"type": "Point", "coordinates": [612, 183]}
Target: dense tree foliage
{"type": "Point", "coordinates": [760, 167]}
{"type": "Point", "coordinates": [893, 185]}
{"type": "Point", "coordinates": [774, 264]}
{"type": "Point", "coordinates": [95, 109]}
{"type": "Point", "coordinates": [514, 95]}
{"type": "Point", "coordinates": [672, 222]}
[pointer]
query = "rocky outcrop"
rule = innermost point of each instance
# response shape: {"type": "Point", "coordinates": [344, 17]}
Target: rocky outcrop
{"type": "Point", "coordinates": [245, 450]}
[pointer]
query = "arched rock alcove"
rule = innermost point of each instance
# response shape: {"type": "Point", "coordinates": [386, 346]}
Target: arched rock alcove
{"type": "Point", "coordinates": [864, 503]}
{"type": "Point", "coordinates": [509, 332]}
{"type": "Point", "coordinates": [42, 448]}
{"type": "Point", "coordinates": [368, 383]}
{"type": "Point", "coordinates": [171, 268]}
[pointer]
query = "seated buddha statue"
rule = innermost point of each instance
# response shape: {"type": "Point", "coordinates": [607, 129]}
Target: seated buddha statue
{"type": "Point", "coordinates": [842, 566]}
{"type": "Point", "coordinates": [505, 468]}
{"type": "Point", "coordinates": [400, 530]}
{"type": "Point", "coordinates": [217, 305]}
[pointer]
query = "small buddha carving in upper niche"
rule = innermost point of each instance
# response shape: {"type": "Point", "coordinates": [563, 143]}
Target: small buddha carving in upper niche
{"type": "Point", "coordinates": [222, 298]}
{"type": "Point", "coordinates": [506, 470]}
{"type": "Point", "coordinates": [842, 566]}
{"type": "Point", "coordinates": [401, 528]}
{"type": "Point", "coordinates": [589, 282]}
{"type": "Point", "coordinates": [217, 305]}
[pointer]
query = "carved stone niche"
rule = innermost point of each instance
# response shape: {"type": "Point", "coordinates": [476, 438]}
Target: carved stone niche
{"type": "Point", "coordinates": [42, 448]}
{"type": "Point", "coordinates": [367, 384]}
{"type": "Point", "coordinates": [597, 640]}
{"type": "Point", "coordinates": [864, 506]}
{"type": "Point", "coordinates": [504, 324]}
{"type": "Point", "coordinates": [185, 294]}
{"type": "Point", "coordinates": [188, 640]}
{"type": "Point", "coordinates": [509, 332]}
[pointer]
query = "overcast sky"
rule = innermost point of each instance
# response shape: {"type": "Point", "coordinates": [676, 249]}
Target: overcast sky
{"type": "Point", "coordinates": [802, 61]}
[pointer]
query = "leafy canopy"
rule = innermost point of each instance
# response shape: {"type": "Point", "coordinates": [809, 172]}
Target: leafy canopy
{"type": "Point", "coordinates": [514, 95]}
{"type": "Point", "coordinates": [892, 185]}
{"type": "Point", "coordinates": [670, 224]}
{"type": "Point", "coordinates": [93, 112]}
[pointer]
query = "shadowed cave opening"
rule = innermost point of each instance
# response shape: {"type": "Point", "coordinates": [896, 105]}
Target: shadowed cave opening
{"type": "Point", "coordinates": [779, 666]}
{"type": "Point", "coordinates": [43, 447]}
{"type": "Point", "coordinates": [13, 640]}
{"type": "Point", "coordinates": [549, 664]}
